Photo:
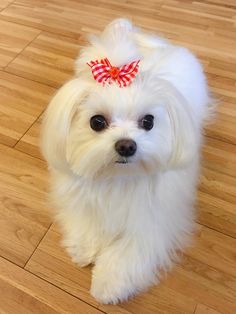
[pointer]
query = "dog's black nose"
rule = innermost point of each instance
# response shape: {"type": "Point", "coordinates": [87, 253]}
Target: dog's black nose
{"type": "Point", "coordinates": [126, 147]}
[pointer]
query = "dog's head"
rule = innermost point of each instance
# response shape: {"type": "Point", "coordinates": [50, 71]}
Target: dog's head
{"type": "Point", "coordinates": [97, 130]}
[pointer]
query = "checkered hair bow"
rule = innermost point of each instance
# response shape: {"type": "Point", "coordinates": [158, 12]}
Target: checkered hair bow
{"type": "Point", "coordinates": [103, 72]}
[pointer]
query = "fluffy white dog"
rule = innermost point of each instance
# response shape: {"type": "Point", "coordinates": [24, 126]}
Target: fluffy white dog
{"type": "Point", "coordinates": [122, 141]}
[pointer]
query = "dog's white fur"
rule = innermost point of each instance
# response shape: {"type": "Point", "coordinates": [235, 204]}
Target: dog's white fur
{"type": "Point", "coordinates": [128, 219]}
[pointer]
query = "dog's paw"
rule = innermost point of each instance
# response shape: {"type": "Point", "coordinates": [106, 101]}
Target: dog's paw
{"type": "Point", "coordinates": [111, 289]}
{"type": "Point", "coordinates": [78, 256]}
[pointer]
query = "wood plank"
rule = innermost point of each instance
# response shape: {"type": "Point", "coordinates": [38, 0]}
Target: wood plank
{"type": "Point", "coordinates": [202, 309]}
{"type": "Point", "coordinates": [207, 272]}
{"type": "Point", "coordinates": [215, 250]}
{"type": "Point", "coordinates": [200, 277]}
{"type": "Point", "coordinates": [24, 218]}
{"type": "Point", "coordinates": [201, 289]}
{"type": "Point", "coordinates": [60, 16]}
{"type": "Point", "coordinates": [49, 59]}
{"type": "Point", "coordinates": [219, 156]}
{"type": "Point", "coordinates": [24, 293]}
{"type": "Point", "coordinates": [5, 3]}
{"type": "Point", "coordinates": [160, 299]}
{"type": "Point", "coordinates": [14, 38]}
{"type": "Point", "coordinates": [215, 184]}
{"type": "Point", "coordinates": [220, 3]}
{"type": "Point", "coordinates": [214, 211]}
{"type": "Point", "coordinates": [29, 143]}
{"type": "Point", "coordinates": [222, 130]}
{"type": "Point", "coordinates": [208, 268]}
{"type": "Point", "coordinates": [21, 102]}
{"type": "Point", "coordinates": [49, 262]}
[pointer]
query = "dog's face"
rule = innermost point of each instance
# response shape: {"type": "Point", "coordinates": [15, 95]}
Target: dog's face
{"type": "Point", "coordinates": [106, 131]}
{"type": "Point", "coordinates": [120, 131]}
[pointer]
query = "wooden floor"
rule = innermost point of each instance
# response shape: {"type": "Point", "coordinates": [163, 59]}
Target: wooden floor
{"type": "Point", "coordinates": [39, 40]}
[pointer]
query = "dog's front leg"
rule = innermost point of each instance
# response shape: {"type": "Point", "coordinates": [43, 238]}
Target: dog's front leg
{"type": "Point", "coordinates": [124, 268]}
{"type": "Point", "coordinates": [81, 239]}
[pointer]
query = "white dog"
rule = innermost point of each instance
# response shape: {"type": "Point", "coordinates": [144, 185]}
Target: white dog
{"type": "Point", "coordinates": [122, 141]}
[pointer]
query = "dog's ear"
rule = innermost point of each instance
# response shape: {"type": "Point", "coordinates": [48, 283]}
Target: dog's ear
{"type": "Point", "coordinates": [186, 135]}
{"type": "Point", "coordinates": [57, 121]}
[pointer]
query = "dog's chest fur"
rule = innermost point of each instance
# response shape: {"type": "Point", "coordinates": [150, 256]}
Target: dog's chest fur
{"type": "Point", "coordinates": [116, 203]}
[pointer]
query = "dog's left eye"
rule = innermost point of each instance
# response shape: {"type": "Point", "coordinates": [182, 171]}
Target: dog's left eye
{"type": "Point", "coordinates": [98, 123]}
{"type": "Point", "coordinates": [147, 122]}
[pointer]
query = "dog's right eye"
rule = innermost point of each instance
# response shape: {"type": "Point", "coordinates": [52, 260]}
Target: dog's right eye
{"type": "Point", "coordinates": [98, 123]}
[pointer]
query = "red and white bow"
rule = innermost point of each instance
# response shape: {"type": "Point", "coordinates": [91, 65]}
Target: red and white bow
{"type": "Point", "coordinates": [103, 72]}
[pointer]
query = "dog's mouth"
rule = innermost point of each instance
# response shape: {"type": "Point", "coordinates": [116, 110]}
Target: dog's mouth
{"type": "Point", "coordinates": [123, 161]}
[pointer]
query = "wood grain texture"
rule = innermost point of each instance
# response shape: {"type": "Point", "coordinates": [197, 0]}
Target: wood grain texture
{"type": "Point", "coordinates": [39, 40]}
{"type": "Point", "coordinates": [5, 3]}
{"type": "Point", "coordinates": [24, 293]}
{"type": "Point", "coordinates": [49, 59]}
{"type": "Point", "coordinates": [21, 102]}
{"type": "Point", "coordinates": [30, 142]}
{"type": "Point", "coordinates": [202, 309]}
{"type": "Point", "coordinates": [217, 189]}
{"type": "Point", "coordinates": [13, 39]}
{"type": "Point", "coordinates": [207, 272]}
{"type": "Point", "coordinates": [50, 261]}
{"type": "Point", "coordinates": [62, 17]}
{"type": "Point", "coordinates": [24, 217]}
